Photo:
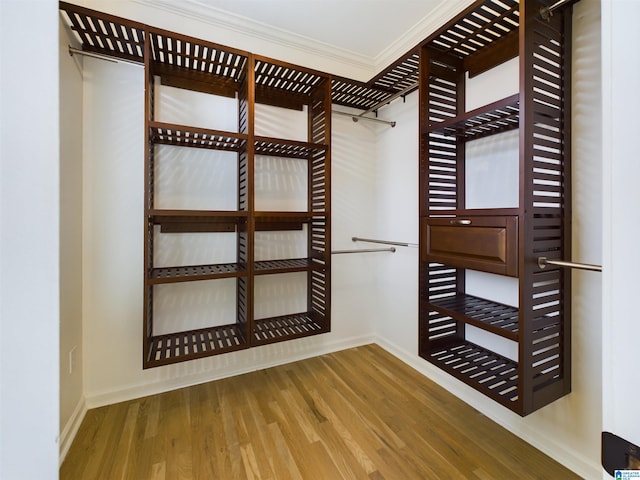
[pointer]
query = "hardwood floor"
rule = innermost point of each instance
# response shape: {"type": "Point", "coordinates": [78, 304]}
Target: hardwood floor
{"type": "Point", "coordinates": [355, 414]}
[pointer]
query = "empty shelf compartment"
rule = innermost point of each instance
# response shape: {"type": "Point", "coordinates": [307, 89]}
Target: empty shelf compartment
{"type": "Point", "coordinates": [494, 375]}
{"type": "Point", "coordinates": [276, 329]}
{"type": "Point", "coordinates": [485, 314]}
{"type": "Point", "coordinates": [497, 117]}
{"type": "Point", "coordinates": [192, 273]}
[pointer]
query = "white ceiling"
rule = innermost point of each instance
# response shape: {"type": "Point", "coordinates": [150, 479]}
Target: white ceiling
{"type": "Point", "coordinates": [365, 27]}
{"type": "Point", "coordinates": [361, 36]}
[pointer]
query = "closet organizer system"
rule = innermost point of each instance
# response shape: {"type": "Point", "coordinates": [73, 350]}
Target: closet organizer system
{"type": "Point", "coordinates": [453, 239]}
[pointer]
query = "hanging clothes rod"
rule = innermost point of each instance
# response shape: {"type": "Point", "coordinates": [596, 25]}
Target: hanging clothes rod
{"type": "Point", "coordinates": [365, 250]}
{"type": "Point", "coordinates": [547, 12]}
{"type": "Point", "coordinates": [402, 92]}
{"type": "Point", "coordinates": [355, 118]}
{"type": "Point", "coordinates": [384, 242]}
{"type": "Point", "coordinates": [544, 261]}
{"type": "Point", "coordinates": [75, 51]}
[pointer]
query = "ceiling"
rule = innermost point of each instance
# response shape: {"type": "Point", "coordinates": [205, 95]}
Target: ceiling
{"type": "Point", "coordinates": [368, 33]}
{"type": "Point", "coordinates": [365, 27]}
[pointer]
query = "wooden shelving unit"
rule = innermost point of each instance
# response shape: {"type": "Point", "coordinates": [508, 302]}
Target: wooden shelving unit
{"type": "Point", "coordinates": [175, 60]}
{"type": "Point", "coordinates": [455, 239]}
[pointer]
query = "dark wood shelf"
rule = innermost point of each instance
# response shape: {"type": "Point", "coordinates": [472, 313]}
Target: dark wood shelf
{"type": "Point", "coordinates": [282, 221]}
{"type": "Point", "coordinates": [175, 60]}
{"type": "Point", "coordinates": [502, 241]}
{"type": "Point", "coordinates": [284, 85]}
{"type": "Point", "coordinates": [485, 314]}
{"type": "Point", "coordinates": [184, 136]}
{"type": "Point", "coordinates": [497, 117]}
{"type": "Point", "coordinates": [182, 346]}
{"type": "Point", "coordinates": [190, 221]}
{"type": "Point", "coordinates": [286, 327]}
{"type": "Point", "coordinates": [492, 374]}
{"type": "Point", "coordinates": [287, 148]}
{"type": "Point", "coordinates": [270, 267]}
{"type": "Point", "coordinates": [193, 273]}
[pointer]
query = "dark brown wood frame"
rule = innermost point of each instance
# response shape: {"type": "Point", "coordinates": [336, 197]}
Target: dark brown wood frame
{"type": "Point", "coordinates": [185, 62]}
{"type": "Point", "coordinates": [541, 323]}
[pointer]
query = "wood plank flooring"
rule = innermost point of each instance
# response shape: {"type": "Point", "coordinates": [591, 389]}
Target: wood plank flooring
{"type": "Point", "coordinates": [355, 414]}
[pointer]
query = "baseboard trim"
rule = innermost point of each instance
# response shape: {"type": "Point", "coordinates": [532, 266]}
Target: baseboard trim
{"type": "Point", "coordinates": [71, 428]}
{"type": "Point", "coordinates": [510, 421]}
{"type": "Point", "coordinates": [268, 356]}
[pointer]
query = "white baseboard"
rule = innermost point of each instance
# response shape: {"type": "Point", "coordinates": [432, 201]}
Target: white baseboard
{"type": "Point", "coordinates": [571, 459]}
{"type": "Point", "coordinates": [71, 428]}
{"type": "Point", "coordinates": [268, 357]}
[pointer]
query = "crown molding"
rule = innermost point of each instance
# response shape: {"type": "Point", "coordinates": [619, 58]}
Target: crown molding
{"type": "Point", "coordinates": [197, 11]}
{"type": "Point", "coordinates": [444, 12]}
{"type": "Point", "coordinates": [302, 46]}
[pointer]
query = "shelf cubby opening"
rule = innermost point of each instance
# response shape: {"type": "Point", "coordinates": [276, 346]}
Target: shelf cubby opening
{"type": "Point", "coordinates": [492, 374]}
{"type": "Point", "coordinates": [482, 313]}
{"type": "Point", "coordinates": [277, 329]}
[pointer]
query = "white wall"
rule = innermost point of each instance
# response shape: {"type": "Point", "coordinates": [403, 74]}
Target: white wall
{"type": "Point", "coordinates": [29, 240]}
{"type": "Point", "coordinates": [621, 263]}
{"type": "Point", "coordinates": [71, 365]}
{"type": "Point", "coordinates": [397, 214]}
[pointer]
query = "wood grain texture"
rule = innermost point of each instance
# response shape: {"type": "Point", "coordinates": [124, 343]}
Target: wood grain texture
{"type": "Point", "coordinates": [356, 414]}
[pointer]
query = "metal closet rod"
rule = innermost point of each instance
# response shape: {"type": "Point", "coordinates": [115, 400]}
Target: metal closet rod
{"type": "Point", "coordinates": [365, 250]}
{"type": "Point", "coordinates": [546, 12]}
{"type": "Point", "coordinates": [384, 242]}
{"type": "Point", "coordinates": [73, 51]}
{"type": "Point", "coordinates": [355, 118]}
{"type": "Point", "coordinates": [544, 261]}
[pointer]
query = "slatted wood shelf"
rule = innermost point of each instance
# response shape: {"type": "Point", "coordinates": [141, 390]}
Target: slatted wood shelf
{"type": "Point", "coordinates": [269, 267]}
{"type": "Point", "coordinates": [497, 117]}
{"type": "Point", "coordinates": [485, 314]}
{"type": "Point", "coordinates": [105, 34]}
{"type": "Point", "coordinates": [275, 329]}
{"type": "Point", "coordinates": [182, 346]}
{"type": "Point", "coordinates": [183, 136]}
{"type": "Point", "coordinates": [191, 63]}
{"type": "Point", "coordinates": [192, 273]}
{"type": "Point", "coordinates": [282, 221]}
{"type": "Point", "coordinates": [351, 93]}
{"type": "Point", "coordinates": [492, 374]}
{"type": "Point", "coordinates": [284, 85]}
{"type": "Point", "coordinates": [287, 148]}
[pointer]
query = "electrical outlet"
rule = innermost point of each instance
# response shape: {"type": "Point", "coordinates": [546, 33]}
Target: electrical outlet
{"type": "Point", "coordinates": [72, 360]}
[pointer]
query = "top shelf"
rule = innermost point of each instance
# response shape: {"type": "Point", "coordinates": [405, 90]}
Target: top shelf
{"type": "Point", "coordinates": [497, 117]}
{"type": "Point", "coordinates": [463, 38]}
{"type": "Point", "coordinates": [186, 62]}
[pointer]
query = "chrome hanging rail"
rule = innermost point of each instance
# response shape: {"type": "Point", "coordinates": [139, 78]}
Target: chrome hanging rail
{"type": "Point", "coordinates": [544, 261]}
{"type": "Point", "coordinates": [76, 51]}
{"type": "Point", "coordinates": [547, 12]}
{"type": "Point", "coordinates": [384, 242]}
{"type": "Point", "coordinates": [364, 250]}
